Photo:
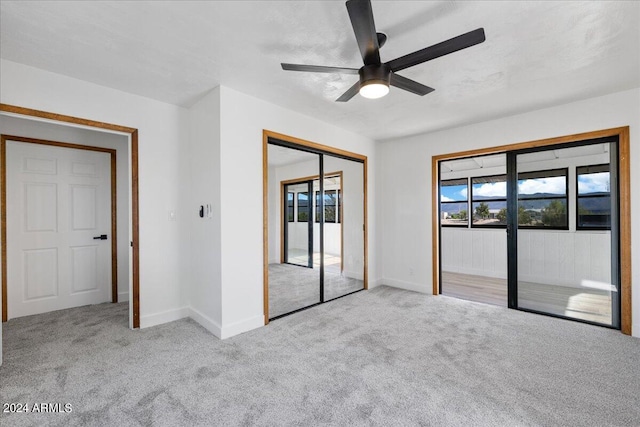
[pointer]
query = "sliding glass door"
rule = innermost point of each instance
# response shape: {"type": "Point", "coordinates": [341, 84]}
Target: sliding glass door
{"type": "Point", "coordinates": [563, 231]}
{"type": "Point", "coordinates": [559, 205]}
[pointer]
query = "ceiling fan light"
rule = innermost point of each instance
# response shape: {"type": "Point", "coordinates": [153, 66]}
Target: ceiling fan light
{"type": "Point", "coordinates": [374, 90]}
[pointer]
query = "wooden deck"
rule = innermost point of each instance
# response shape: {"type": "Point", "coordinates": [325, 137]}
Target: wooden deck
{"type": "Point", "coordinates": [579, 303]}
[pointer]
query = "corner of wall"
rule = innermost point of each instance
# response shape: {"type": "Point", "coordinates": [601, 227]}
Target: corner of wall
{"type": "Point", "coordinates": [206, 322]}
{"type": "Point", "coordinates": [240, 327]}
{"type": "Point", "coordinates": [163, 317]}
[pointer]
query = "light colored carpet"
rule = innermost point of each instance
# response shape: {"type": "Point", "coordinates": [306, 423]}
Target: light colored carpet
{"type": "Point", "coordinates": [380, 357]}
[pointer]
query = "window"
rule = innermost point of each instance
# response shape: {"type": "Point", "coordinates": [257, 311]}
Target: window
{"type": "Point", "coordinates": [542, 199]}
{"type": "Point", "coordinates": [303, 207]}
{"type": "Point", "coordinates": [331, 206]}
{"type": "Point", "coordinates": [593, 198]}
{"type": "Point", "coordinates": [489, 201]}
{"type": "Point", "coordinates": [290, 214]}
{"type": "Point", "coordinates": [454, 205]}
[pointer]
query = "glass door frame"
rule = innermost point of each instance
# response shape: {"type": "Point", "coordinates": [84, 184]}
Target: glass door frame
{"type": "Point", "coordinates": [285, 221]}
{"type": "Point", "coordinates": [512, 226]}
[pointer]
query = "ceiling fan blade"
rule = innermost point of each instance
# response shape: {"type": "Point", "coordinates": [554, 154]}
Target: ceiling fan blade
{"type": "Point", "coordinates": [319, 69]}
{"type": "Point", "coordinates": [410, 85]}
{"type": "Point", "coordinates": [437, 50]}
{"type": "Point", "coordinates": [361, 16]}
{"type": "Point", "coordinates": [350, 93]}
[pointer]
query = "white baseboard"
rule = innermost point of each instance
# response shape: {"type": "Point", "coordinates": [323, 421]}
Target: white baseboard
{"type": "Point", "coordinates": [409, 286]}
{"type": "Point", "coordinates": [242, 326]}
{"type": "Point", "coordinates": [228, 331]}
{"type": "Point", "coordinates": [164, 317]}
{"type": "Point", "coordinates": [123, 296]}
{"type": "Point", "coordinates": [358, 275]}
{"type": "Point", "coordinates": [205, 321]}
{"type": "Point", "coordinates": [375, 283]}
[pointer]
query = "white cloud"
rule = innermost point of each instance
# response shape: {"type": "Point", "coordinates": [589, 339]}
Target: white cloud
{"type": "Point", "coordinates": [463, 192]}
{"type": "Point", "coordinates": [553, 185]}
{"type": "Point", "coordinates": [491, 189]}
{"type": "Point", "coordinates": [594, 182]}
{"type": "Point", "coordinates": [444, 198]}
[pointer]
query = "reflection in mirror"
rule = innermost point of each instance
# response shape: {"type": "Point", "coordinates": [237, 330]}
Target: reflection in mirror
{"type": "Point", "coordinates": [343, 206]}
{"type": "Point", "coordinates": [294, 269]}
{"type": "Point", "coordinates": [296, 229]}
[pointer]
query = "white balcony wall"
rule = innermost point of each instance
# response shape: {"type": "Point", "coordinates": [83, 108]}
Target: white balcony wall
{"type": "Point", "coordinates": [554, 257]}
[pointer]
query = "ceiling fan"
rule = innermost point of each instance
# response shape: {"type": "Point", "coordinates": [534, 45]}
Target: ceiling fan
{"type": "Point", "coordinates": [375, 76]}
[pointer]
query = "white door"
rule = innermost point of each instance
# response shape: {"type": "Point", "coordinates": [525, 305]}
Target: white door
{"type": "Point", "coordinates": [58, 201]}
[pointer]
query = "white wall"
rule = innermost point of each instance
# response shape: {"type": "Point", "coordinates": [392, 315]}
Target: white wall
{"type": "Point", "coordinates": [243, 119]}
{"type": "Point", "coordinates": [552, 257]}
{"type": "Point", "coordinates": [205, 289]}
{"type": "Point", "coordinates": [16, 126]}
{"type": "Point", "coordinates": [163, 176]}
{"type": "Point", "coordinates": [404, 178]}
{"type": "Point", "coordinates": [482, 252]}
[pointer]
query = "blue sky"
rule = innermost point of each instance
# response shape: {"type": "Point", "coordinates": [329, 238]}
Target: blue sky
{"type": "Point", "coordinates": [450, 193]}
{"type": "Point", "coordinates": [594, 182]}
{"type": "Point", "coordinates": [591, 183]}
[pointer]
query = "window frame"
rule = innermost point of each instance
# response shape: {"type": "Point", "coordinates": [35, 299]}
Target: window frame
{"type": "Point", "coordinates": [496, 199]}
{"type": "Point", "coordinates": [541, 174]}
{"type": "Point", "coordinates": [338, 206]}
{"type": "Point", "coordinates": [578, 197]}
{"type": "Point", "coordinates": [306, 208]}
{"type": "Point", "coordinates": [293, 206]}
{"type": "Point", "coordinates": [316, 207]}
{"type": "Point", "coordinates": [455, 201]}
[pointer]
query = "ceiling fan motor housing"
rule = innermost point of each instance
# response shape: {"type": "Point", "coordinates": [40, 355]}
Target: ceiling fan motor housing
{"type": "Point", "coordinates": [375, 73]}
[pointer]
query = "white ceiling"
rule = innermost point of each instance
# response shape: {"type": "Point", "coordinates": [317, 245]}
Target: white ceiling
{"type": "Point", "coordinates": [500, 160]}
{"type": "Point", "coordinates": [537, 54]}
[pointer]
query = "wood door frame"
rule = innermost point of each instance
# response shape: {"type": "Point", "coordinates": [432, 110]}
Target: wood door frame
{"type": "Point", "coordinates": [283, 213]}
{"type": "Point", "coordinates": [3, 208]}
{"type": "Point", "coordinates": [266, 134]}
{"type": "Point", "coordinates": [624, 173]}
{"type": "Point", "coordinates": [132, 134]}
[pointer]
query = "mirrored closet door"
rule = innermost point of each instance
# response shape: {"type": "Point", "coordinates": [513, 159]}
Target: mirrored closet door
{"type": "Point", "coordinates": [316, 227]}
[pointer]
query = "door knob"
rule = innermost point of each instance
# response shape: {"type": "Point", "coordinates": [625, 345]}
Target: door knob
{"type": "Point", "coordinates": [100, 237]}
